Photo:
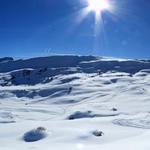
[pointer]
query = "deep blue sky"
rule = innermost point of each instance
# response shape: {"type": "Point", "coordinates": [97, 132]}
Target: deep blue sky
{"type": "Point", "coordinates": [43, 27]}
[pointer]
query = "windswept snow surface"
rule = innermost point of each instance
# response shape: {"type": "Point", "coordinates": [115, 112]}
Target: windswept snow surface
{"type": "Point", "coordinates": [71, 97]}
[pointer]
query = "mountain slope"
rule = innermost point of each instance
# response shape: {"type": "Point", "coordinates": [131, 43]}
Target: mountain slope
{"type": "Point", "coordinates": [73, 97]}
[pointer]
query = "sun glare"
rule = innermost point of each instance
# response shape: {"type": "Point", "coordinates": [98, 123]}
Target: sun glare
{"type": "Point", "coordinates": [98, 5]}
{"type": "Point", "coordinates": [101, 10]}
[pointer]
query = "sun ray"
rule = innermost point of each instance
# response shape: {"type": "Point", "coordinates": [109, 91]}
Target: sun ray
{"type": "Point", "coordinates": [83, 13]}
{"type": "Point", "coordinates": [97, 8]}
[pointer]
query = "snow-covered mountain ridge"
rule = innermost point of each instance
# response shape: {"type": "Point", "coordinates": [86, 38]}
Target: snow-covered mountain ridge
{"type": "Point", "coordinates": [83, 62]}
{"type": "Point", "coordinates": [75, 102]}
{"type": "Point", "coordinates": [39, 70]}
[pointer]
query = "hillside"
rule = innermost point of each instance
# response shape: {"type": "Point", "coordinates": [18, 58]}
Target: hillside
{"type": "Point", "coordinates": [77, 102]}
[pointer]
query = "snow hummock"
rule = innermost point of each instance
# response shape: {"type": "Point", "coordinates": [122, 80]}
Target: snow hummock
{"type": "Point", "coordinates": [74, 102]}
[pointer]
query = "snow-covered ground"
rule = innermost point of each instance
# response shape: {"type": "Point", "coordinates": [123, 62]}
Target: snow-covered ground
{"type": "Point", "coordinates": [72, 97]}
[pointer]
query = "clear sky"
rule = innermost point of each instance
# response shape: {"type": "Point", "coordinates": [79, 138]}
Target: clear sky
{"type": "Point", "coordinates": [44, 27]}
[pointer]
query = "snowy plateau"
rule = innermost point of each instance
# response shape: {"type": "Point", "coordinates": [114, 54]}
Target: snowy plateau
{"type": "Point", "coordinates": [69, 102]}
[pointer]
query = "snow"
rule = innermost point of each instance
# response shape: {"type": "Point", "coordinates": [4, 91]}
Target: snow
{"type": "Point", "coordinates": [72, 97]}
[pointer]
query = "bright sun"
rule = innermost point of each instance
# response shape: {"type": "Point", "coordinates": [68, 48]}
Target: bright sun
{"type": "Point", "coordinates": [98, 5]}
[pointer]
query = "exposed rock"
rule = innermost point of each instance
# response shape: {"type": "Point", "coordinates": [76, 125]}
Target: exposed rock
{"type": "Point", "coordinates": [97, 133]}
{"type": "Point", "coordinates": [35, 135]}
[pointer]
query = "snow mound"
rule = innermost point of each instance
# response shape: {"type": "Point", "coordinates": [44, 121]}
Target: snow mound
{"type": "Point", "coordinates": [79, 115]}
{"type": "Point", "coordinates": [90, 114]}
{"type": "Point", "coordinates": [5, 122]}
{"type": "Point", "coordinates": [136, 123]}
{"type": "Point", "coordinates": [6, 117]}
